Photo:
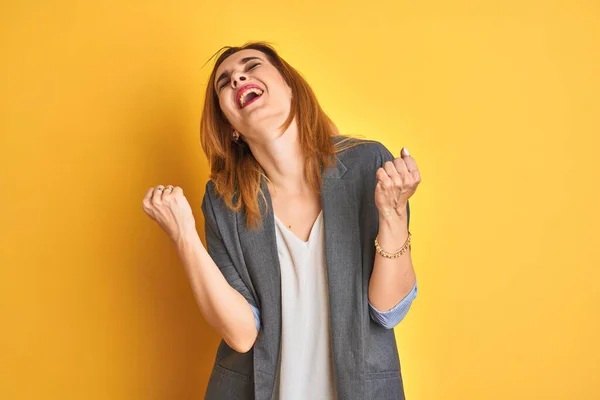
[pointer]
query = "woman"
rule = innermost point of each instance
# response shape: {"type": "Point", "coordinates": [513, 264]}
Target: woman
{"type": "Point", "coordinates": [307, 267]}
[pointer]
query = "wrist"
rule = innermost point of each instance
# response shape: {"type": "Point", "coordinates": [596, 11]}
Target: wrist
{"type": "Point", "coordinates": [393, 221]}
{"type": "Point", "coordinates": [186, 238]}
{"type": "Point", "coordinates": [393, 229]}
{"type": "Point", "coordinates": [399, 211]}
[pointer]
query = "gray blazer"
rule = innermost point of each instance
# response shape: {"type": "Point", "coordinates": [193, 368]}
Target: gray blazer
{"type": "Point", "coordinates": [367, 365]}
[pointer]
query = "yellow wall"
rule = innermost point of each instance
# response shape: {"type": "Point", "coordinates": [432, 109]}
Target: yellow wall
{"type": "Point", "coordinates": [497, 101]}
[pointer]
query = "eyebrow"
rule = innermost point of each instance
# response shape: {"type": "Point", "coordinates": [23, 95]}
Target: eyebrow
{"type": "Point", "coordinates": [226, 74]}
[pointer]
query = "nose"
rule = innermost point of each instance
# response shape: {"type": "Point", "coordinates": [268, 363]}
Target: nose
{"type": "Point", "coordinates": [237, 78]}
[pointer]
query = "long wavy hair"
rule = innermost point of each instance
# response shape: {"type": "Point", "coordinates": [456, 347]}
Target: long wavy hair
{"type": "Point", "coordinates": [233, 169]}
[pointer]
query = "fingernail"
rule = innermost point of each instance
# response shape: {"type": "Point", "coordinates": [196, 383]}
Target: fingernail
{"type": "Point", "coordinates": [406, 151]}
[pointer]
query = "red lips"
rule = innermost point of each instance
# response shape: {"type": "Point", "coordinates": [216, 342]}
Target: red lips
{"type": "Point", "coordinates": [238, 96]}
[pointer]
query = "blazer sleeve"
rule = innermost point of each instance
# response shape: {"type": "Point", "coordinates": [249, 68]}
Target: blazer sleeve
{"type": "Point", "coordinates": [390, 318]}
{"type": "Point", "coordinates": [218, 251]}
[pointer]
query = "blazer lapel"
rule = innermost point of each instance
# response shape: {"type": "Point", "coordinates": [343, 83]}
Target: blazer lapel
{"type": "Point", "coordinates": [262, 260]}
{"type": "Point", "coordinates": [344, 276]}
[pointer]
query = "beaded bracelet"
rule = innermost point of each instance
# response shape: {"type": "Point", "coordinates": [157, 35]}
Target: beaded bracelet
{"type": "Point", "coordinates": [396, 253]}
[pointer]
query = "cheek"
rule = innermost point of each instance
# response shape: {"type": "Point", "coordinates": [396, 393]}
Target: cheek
{"type": "Point", "coordinates": [226, 106]}
{"type": "Point", "coordinates": [288, 90]}
{"type": "Point", "coordinates": [277, 84]}
{"type": "Point", "coordinates": [284, 86]}
{"type": "Point", "coordinates": [283, 90]}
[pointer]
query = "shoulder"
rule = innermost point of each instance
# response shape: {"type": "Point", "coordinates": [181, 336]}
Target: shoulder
{"type": "Point", "coordinates": [209, 192]}
{"type": "Point", "coordinates": [362, 154]}
{"type": "Point", "coordinates": [210, 189]}
{"type": "Point", "coordinates": [212, 202]}
{"type": "Point", "coordinates": [208, 199]}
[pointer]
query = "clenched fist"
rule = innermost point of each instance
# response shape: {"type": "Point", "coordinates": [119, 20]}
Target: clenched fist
{"type": "Point", "coordinates": [171, 210]}
{"type": "Point", "coordinates": [397, 181]}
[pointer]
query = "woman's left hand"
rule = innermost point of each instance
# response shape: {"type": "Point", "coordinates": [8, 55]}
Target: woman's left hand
{"type": "Point", "coordinates": [397, 181]}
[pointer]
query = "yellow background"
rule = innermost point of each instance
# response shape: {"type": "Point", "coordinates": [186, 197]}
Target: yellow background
{"type": "Point", "coordinates": [497, 101]}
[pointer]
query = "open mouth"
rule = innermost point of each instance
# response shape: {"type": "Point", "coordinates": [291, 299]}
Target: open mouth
{"type": "Point", "coordinates": [249, 96]}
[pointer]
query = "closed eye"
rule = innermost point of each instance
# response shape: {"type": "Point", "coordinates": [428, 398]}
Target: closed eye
{"type": "Point", "coordinates": [246, 70]}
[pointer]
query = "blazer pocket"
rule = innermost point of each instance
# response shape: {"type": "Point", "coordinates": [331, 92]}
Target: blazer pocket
{"type": "Point", "coordinates": [233, 374]}
{"type": "Point", "coordinates": [381, 375]}
{"type": "Point", "coordinates": [386, 385]}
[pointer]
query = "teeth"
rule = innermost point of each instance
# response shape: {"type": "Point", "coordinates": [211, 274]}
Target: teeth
{"type": "Point", "coordinates": [251, 90]}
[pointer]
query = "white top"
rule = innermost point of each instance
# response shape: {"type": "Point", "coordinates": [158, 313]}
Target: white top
{"type": "Point", "coordinates": [305, 368]}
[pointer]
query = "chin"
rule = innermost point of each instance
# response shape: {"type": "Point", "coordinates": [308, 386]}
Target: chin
{"type": "Point", "coordinates": [267, 123]}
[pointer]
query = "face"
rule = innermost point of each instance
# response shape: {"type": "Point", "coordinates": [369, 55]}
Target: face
{"type": "Point", "coordinates": [253, 95]}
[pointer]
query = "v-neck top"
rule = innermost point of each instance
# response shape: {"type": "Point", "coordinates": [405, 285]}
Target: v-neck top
{"type": "Point", "coordinates": [305, 367]}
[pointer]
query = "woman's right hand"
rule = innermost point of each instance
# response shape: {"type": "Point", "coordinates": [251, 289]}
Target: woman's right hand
{"type": "Point", "coordinates": [171, 210]}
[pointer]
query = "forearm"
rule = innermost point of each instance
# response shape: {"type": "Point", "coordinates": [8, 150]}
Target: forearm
{"type": "Point", "coordinates": [392, 278]}
{"type": "Point", "coordinates": [223, 307]}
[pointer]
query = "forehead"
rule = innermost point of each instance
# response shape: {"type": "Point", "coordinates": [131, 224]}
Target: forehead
{"type": "Point", "coordinates": [236, 58]}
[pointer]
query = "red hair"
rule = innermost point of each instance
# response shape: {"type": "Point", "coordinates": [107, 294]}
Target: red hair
{"type": "Point", "coordinates": [233, 169]}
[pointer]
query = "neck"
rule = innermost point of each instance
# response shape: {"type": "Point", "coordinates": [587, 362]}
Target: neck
{"type": "Point", "coordinates": [280, 155]}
